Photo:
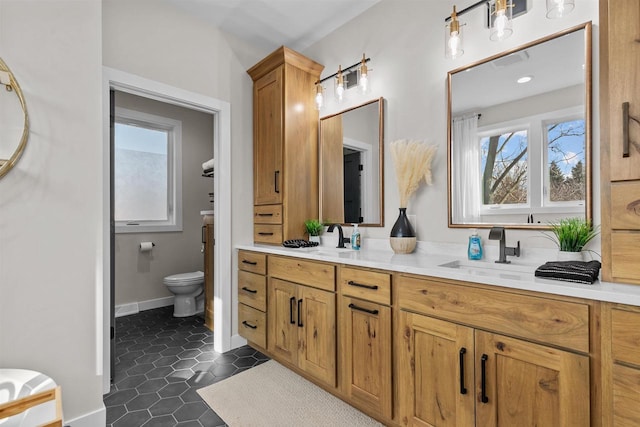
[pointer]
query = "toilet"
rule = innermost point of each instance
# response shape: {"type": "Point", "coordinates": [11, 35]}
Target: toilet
{"type": "Point", "coordinates": [188, 291]}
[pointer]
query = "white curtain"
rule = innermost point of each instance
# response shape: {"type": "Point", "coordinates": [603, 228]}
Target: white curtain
{"type": "Point", "coordinates": [465, 177]}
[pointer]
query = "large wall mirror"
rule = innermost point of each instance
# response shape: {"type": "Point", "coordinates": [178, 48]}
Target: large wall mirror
{"type": "Point", "coordinates": [351, 165]}
{"type": "Point", "coordinates": [519, 135]}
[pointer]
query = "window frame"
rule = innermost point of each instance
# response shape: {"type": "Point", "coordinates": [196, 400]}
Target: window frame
{"type": "Point", "coordinates": [174, 173]}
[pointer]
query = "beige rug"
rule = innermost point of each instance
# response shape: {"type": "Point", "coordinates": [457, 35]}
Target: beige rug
{"type": "Point", "coordinates": [272, 395]}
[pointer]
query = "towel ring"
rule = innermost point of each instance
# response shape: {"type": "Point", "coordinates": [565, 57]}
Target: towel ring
{"type": "Point", "coordinates": [8, 80]}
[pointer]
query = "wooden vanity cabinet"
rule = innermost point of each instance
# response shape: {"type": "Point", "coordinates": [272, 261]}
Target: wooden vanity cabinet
{"type": "Point", "coordinates": [252, 297]}
{"type": "Point", "coordinates": [364, 320]}
{"type": "Point", "coordinates": [285, 145]}
{"type": "Point", "coordinates": [457, 366]}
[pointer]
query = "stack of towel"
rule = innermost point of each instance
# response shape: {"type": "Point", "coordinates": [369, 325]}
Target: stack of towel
{"type": "Point", "coordinates": [570, 271]}
{"type": "Point", "coordinates": [207, 168]}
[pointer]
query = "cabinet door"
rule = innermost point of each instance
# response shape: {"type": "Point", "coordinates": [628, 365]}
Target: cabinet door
{"type": "Point", "coordinates": [365, 337]}
{"type": "Point", "coordinates": [317, 333]}
{"type": "Point", "coordinates": [526, 384]}
{"type": "Point", "coordinates": [268, 138]}
{"type": "Point", "coordinates": [624, 86]}
{"type": "Point", "coordinates": [282, 337]}
{"type": "Point", "coordinates": [435, 372]}
{"type": "Point", "coordinates": [626, 396]}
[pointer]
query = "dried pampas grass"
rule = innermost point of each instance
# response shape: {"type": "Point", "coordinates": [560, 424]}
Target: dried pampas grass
{"type": "Point", "coordinates": [412, 161]}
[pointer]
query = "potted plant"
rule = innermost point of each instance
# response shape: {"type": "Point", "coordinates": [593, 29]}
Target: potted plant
{"type": "Point", "coordinates": [572, 235]}
{"type": "Point", "coordinates": [314, 228]}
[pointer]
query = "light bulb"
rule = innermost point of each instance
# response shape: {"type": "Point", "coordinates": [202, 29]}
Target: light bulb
{"type": "Point", "coordinates": [364, 83]}
{"type": "Point", "coordinates": [340, 92]}
{"type": "Point", "coordinates": [319, 100]}
{"type": "Point", "coordinates": [501, 23]}
{"type": "Point", "coordinates": [454, 44]}
{"type": "Point", "coordinates": [559, 8]}
{"type": "Point", "coordinates": [453, 37]}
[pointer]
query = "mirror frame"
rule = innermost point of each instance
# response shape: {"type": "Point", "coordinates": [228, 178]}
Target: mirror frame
{"type": "Point", "coordinates": [588, 126]}
{"type": "Point", "coordinates": [380, 160]}
{"type": "Point", "coordinates": [7, 164]}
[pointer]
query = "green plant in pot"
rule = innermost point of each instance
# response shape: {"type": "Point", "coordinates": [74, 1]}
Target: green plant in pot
{"type": "Point", "coordinates": [572, 235]}
{"type": "Point", "coordinates": [313, 228]}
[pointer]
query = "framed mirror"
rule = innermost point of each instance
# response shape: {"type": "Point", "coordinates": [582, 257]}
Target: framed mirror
{"type": "Point", "coordinates": [14, 121]}
{"type": "Point", "coordinates": [519, 135]}
{"type": "Point", "coordinates": [351, 166]}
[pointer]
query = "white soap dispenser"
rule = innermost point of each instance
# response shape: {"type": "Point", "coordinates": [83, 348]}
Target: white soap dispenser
{"type": "Point", "coordinates": [355, 238]}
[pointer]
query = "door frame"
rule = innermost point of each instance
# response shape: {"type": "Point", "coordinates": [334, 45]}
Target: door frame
{"type": "Point", "coordinates": [221, 112]}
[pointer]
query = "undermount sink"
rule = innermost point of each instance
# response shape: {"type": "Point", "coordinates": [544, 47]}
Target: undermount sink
{"type": "Point", "coordinates": [486, 268]}
{"type": "Point", "coordinates": [330, 251]}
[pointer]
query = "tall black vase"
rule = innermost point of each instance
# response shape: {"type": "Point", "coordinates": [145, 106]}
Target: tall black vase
{"type": "Point", "coordinates": [402, 237]}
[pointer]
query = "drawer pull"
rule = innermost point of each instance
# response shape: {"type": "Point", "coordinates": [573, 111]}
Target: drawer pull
{"type": "Point", "coordinates": [483, 379]}
{"type": "Point", "coordinates": [355, 307]}
{"type": "Point", "coordinates": [463, 389]}
{"type": "Point", "coordinates": [265, 234]}
{"type": "Point", "coordinates": [625, 129]}
{"type": "Point", "coordinates": [265, 214]}
{"type": "Point", "coordinates": [300, 325]}
{"type": "Point", "coordinates": [360, 285]}
{"type": "Point", "coordinates": [251, 291]}
{"type": "Point", "coordinates": [244, 261]}
{"type": "Point", "coordinates": [292, 302]}
{"type": "Point", "coordinates": [276, 187]}
{"type": "Point", "coordinates": [249, 325]}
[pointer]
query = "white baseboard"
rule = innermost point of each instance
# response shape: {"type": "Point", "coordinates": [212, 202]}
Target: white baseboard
{"type": "Point", "coordinates": [237, 341]}
{"type": "Point", "coordinates": [136, 307]}
{"type": "Point", "coordinates": [92, 419]}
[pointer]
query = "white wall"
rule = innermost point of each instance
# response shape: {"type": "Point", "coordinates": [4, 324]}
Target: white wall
{"type": "Point", "coordinates": [405, 41]}
{"type": "Point", "coordinates": [51, 203]}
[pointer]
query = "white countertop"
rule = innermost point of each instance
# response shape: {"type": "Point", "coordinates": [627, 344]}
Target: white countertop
{"type": "Point", "coordinates": [427, 260]}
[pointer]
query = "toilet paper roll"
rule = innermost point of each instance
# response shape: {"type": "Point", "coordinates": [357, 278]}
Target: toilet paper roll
{"type": "Point", "coordinates": [146, 246]}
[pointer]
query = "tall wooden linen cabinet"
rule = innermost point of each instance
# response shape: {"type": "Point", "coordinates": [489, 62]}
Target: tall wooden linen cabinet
{"type": "Point", "coordinates": [285, 145]}
{"type": "Point", "coordinates": [620, 139]}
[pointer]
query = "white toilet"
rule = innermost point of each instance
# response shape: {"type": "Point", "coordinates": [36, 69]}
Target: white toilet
{"type": "Point", "coordinates": [188, 291]}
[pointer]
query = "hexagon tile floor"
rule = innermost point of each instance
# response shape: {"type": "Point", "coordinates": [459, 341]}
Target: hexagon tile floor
{"type": "Point", "coordinates": [161, 361]}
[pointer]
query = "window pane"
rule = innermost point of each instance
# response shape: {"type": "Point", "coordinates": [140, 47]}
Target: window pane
{"type": "Point", "coordinates": [140, 174]}
{"type": "Point", "coordinates": [566, 161]}
{"type": "Point", "coordinates": [504, 166]}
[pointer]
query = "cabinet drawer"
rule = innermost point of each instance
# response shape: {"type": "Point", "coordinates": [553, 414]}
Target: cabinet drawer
{"type": "Point", "coordinates": [252, 262]}
{"type": "Point", "coordinates": [368, 285]}
{"type": "Point", "coordinates": [252, 290]}
{"type": "Point", "coordinates": [625, 202]}
{"type": "Point", "coordinates": [267, 233]}
{"type": "Point", "coordinates": [252, 325]}
{"type": "Point", "coordinates": [310, 273]}
{"type": "Point", "coordinates": [561, 323]}
{"type": "Point", "coordinates": [625, 258]}
{"type": "Point", "coordinates": [625, 336]}
{"type": "Point", "coordinates": [267, 214]}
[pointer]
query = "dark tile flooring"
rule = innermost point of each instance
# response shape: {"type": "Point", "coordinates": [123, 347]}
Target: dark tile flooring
{"type": "Point", "coordinates": [161, 361]}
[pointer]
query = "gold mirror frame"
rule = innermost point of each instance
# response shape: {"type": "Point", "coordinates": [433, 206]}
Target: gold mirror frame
{"type": "Point", "coordinates": [7, 164]}
{"type": "Point", "coordinates": [588, 125]}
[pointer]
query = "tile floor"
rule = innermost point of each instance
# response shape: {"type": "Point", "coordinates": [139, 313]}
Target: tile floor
{"type": "Point", "coordinates": [161, 361]}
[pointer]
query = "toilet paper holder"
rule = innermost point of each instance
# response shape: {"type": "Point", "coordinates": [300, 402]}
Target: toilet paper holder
{"type": "Point", "coordinates": [146, 246]}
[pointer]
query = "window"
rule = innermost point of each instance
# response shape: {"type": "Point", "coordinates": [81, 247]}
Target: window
{"type": "Point", "coordinates": [147, 173]}
{"type": "Point", "coordinates": [504, 168]}
{"type": "Point", "coordinates": [565, 166]}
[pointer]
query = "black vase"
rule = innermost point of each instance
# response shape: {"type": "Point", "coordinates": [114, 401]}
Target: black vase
{"type": "Point", "coordinates": [402, 237]}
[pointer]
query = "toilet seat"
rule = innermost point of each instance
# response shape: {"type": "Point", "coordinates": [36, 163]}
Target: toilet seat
{"type": "Point", "coordinates": [184, 279]}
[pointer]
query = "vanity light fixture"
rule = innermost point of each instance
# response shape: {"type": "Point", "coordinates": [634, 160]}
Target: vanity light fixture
{"type": "Point", "coordinates": [363, 77]}
{"type": "Point", "coordinates": [339, 81]}
{"type": "Point", "coordinates": [357, 73]}
{"type": "Point", "coordinates": [559, 8]}
{"type": "Point", "coordinates": [319, 96]}
{"type": "Point", "coordinates": [500, 15]}
{"type": "Point", "coordinates": [453, 37]}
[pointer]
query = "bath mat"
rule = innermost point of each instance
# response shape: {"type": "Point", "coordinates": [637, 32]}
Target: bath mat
{"type": "Point", "coordinates": [272, 395]}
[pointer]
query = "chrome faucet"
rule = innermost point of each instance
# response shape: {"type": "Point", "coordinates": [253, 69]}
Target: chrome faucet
{"type": "Point", "coordinates": [498, 233]}
{"type": "Point", "coordinates": [341, 239]}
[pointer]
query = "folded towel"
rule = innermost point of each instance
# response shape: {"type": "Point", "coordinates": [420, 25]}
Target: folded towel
{"type": "Point", "coordinates": [208, 164]}
{"type": "Point", "coordinates": [570, 271]}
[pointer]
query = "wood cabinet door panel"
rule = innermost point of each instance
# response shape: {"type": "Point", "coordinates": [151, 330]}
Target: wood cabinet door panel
{"type": "Point", "coordinates": [529, 384]}
{"type": "Point", "coordinates": [626, 396]}
{"type": "Point", "coordinates": [625, 202]}
{"type": "Point", "coordinates": [625, 256]}
{"type": "Point", "coordinates": [282, 338]}
{"type": "Point", "coordinates": [625, 336]}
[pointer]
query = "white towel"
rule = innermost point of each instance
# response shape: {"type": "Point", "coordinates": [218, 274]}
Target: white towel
{"type": "Point", "coordinates": [208, 164]}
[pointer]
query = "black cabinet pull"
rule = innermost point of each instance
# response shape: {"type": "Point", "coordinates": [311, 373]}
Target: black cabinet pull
{"type": "Point", "coordinates": [625, 129]}
{"type": "Point", "coordinates": [483, 378]}
{"type": "Point", "coordinates": [276, 175]}
{"type": "Point", "coordinates": [251, 291]}
{"type": "Point", "coordinates": [300, 325]}
{"type": "Point", "coordinates": [204, 227]}
{"type": "Point", "coordinates": [292, 302]}
{"type": "Point", "coordinates": [355, 307]}
{"type": "Point", "coordinates": [249, 325]}
{"type": "Point", "coordinates": [266, 234]}
{"type": "Point", "coordinates": [265, 214]}
{"type": "Point", "coordinates": [360, 285]}
{"type": "Point", "coordinates": [463, 389]}
{"type": "Point", "coordinates": [244, 261]}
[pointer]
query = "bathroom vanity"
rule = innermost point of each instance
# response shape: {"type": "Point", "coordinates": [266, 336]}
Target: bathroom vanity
{"type": "Point", "coordinates": [429, 339]}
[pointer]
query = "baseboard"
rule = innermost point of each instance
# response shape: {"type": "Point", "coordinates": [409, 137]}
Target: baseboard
{"type": "Point", "coordinates": [136, 307]}
{"type": "Point", "coordinates": [92, 419]}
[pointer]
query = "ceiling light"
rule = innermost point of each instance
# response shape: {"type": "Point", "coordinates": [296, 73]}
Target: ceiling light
{"type": "Point", "coordinates": [339, 81]}
{"type": "Point", "coordinates": [363, 78]}
{"type": "Point", "coordinates": [453, 37]}
{"type": "Point", "coordinates": [524, 79]}
{"type": "Point", "coordinates": [319, 96]}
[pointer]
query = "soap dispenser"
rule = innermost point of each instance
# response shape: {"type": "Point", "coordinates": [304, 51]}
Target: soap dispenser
{"type": "Point", "coordinates": [355, 238]}
{"type": "Point", "coordinates": [474, 251]}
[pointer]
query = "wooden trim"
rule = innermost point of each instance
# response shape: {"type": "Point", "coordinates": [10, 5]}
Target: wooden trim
{"type": "Point", "coordinates": [284, 55]}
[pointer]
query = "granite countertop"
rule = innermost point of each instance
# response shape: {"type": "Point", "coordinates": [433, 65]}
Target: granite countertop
{"type": "Point", "coordinates": [431, 260]}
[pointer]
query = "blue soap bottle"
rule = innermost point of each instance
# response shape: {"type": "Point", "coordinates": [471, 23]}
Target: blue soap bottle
{"type": "Point", "coordinates": [474, 252]}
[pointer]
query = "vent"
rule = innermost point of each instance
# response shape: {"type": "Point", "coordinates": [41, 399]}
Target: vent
{"type": "Point", "coordinates": [509, 60]}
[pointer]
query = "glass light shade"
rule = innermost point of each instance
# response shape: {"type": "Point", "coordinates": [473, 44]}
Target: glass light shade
{"type": "Point", "coordinates": [453, 46]}
{"type": "Point", "coordinates": [319, 97]}
{"type": "Point", "coordinates": [340, 87]}
{"type": "Point", "coordinates": [363, 76]}
{"type": "Point", "coordinates": [501, 19]}
{"type": "Point", "coordinates": [559, 8]}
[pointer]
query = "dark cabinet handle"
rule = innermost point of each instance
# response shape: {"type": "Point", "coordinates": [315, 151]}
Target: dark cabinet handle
{"type": "Point", "coordinates": [249, 325]}
{"type": "Point", "coordinates": [292, 302]}
{"type": "Point", "coordinates": [251, 291]}
{"type": "Point", "coordinates": [625, 128]}
{"type": "Point", "coordinates": [265, 234]}
{"type": "Point", "coordinates": [355, 307]}
{"type": "Point", "coordinates": [265, 214]}
{"type": "Point", "coordinates": [463, 389]}
{"type": "Point", "coordinates": [360, 285]}
{"type": "Point", "coordinates": [204, 227]}
{"type": "Point", "coordinates": [276, 175]}
{"type": "Point", "coordinates": [300, 325]}
{"type": "Point", "coordinates": [244, 261]}
{"type": "Point", "coordinates": [483, 379]}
